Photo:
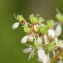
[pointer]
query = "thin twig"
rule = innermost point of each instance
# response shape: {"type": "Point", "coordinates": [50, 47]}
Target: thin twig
{"type": "Point", "coordinates": [52, 60]}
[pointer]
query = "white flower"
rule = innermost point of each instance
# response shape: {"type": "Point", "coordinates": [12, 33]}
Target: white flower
{"type": "Point", "coordinates": [15, 25]}
{"type": "Point", "coordinates": [51, 33]}
{"type": "Point", "coordinates": [39, 40]}
{"type": "Point", "coordinates": [46, 40]}
{"type": "Point", "coordinates": [30, 38]}
{"type": "Point", "coordinates": [24, 39]}
{"type": "Point", "coordinates": [29, 50]}
{"type": "Point", "coordinates": [43, 56]}
{"type": "Point", "coordinates": [58, 29]}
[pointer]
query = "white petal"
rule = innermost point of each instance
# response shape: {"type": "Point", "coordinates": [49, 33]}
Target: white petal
{"type": "Point", "coordinates": [58, 29]}
{"type": "Point", "coordinates": [30, 38]}
{"type": "Point", "coordinates": [46, 40]}
{"type": "Point", "coordinates": [42, 55]}
{"type": "Point", "coordinates": [27, 50]}
{"type": "Point", "coordinates": [15, 25]}
{"type": "Point", "coordinates": [39, 40]}
{"type": "Point", "coordinates": [56, 40]}
{"type": "Point", "coordinates": [51, 33]}
{"type": "Point", "coordinates": [39, 60]}
{"type": "Point", "coordinates": [31, 54]}
{"type": "Point", "coordinates": [24, 39]}
{"type": "Point", "coordinates": [53, 53]}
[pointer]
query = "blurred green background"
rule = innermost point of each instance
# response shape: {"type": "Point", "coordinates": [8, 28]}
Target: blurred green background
{"type": "Point", "coordinates": [10, 47]}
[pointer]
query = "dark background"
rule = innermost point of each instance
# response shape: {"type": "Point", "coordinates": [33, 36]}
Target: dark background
{"type": "Point", "coordinates": [10, 47]}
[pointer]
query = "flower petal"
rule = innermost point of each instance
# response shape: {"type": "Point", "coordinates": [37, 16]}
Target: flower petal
{"type": "Point", "coordinates": [31, 54]}
{"type": "Point", "coordinates": [58, 29]}
{"type": "Point", "coordinates": [15, 25]}
{"type": "Point", "coordinates": [39, 60]}
{"type": "Point", "coordinates": [46, 40]}
{"type": "Point", "coordinates": [51, 33]}
{"type": "Point", "coordinates": [27, 50]}
{"type": "Point", "coordinates": [56, 40]}
{"type": "Point", "coordinates": [39, 40]}
{"type": "Point", "coordinates": [24, 39]}
{"type": "Point", "coordinates": [30, 38]}
{"type": "Point", "coordinates": [42, 55]}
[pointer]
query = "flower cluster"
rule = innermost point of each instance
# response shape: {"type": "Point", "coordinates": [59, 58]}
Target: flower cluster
{"type": "Point", "coordinates": [43, 37]}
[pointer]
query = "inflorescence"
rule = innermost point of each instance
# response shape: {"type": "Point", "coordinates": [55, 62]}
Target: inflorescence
{"type": "Point", "coordinates": [44, 37]}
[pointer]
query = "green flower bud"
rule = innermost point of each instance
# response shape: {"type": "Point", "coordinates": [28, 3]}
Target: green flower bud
{"type": "Point", "coordinates": [40, 19]}
{"type": "Point", "coordinates": [26, 29]}
{"type": "Point", "coordinates": [50, 23]}
{"type": "Point", "coordinates": [33, 19]}
{"type": "Point", "coordinates": [59, 17]}
{"type": "Point", "coordinates": [49, 47]}
{"type": "Point", "coordinates": [36, 44]}
{"type": "Point", "coordinates": [20, 17]}
{"type": "Point", "coordinates": [43, 29]}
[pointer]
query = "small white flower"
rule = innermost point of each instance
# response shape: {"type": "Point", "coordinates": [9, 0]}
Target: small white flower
{"type": "Point", "coordinates": [15, 25]}
{"type": "Point", "coordinates": [30, 38]}
{"type": "Point", "coordinates": [58, 29]}
{"type": "Point", "coordinates": [46, 40]}
{"type": "Point", "coordinates": [51, 33]}
{"type": "Point", "coordinates": [27, 50]}
{"type": "Point", "coordinates": [43, 56]}
{"type": "Point", "coordinates": [39, 40]}
{"type": "Point", "coordinates": [24, 39]}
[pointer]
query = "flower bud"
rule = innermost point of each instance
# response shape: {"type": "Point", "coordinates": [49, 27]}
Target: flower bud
{"type": "Point", "coordinates": [59, 17]}
{"type": "Point", "coordinates": [36, 44]}
{"type": "Point", "coordinates": [50, 23]}
{"type": "Point", "coordinates": [33, 19]}
{"type": "Point", "coordinates": [26, 29]}
{"type": "Point", "coordinates": [40, 19]}
{"type": "Point", "coordinates": [20, 17]}
{"type": "Point", "coordinates": [43, 29]}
